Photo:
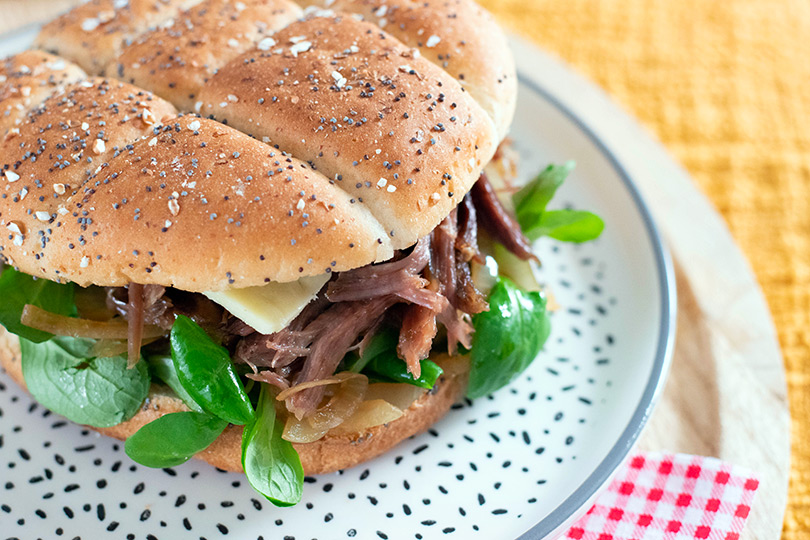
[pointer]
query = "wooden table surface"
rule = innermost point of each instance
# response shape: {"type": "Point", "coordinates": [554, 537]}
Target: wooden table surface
{"type": "Point", "coordinates": [726, 394]}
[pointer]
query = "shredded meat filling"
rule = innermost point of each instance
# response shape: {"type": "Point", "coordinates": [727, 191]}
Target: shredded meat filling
{"type": "Point", "coordinates": [135, 303]}
{"type": "Point", "coordinates": [443, 256]}
{"type": "Point", "coordinates": [468, 298]}
{"type": "Point", "coordinates": [416, 336]}
{"type": "Point", "coordinates": [433, 284]}
{"type": "Point", "coordinates": [270, 377]}
{"type": "Point", "coordinates": [467, 239]}
{"type": "Point", "coordinates": [399, 278]}
{"type": "Point", "coordinates": [497, 221]}
{"type": "Point", "coordinates": [334, 332]}
{"type": "Point", "coordinates": [279, 350]}
{"type": "Point", "coordinates": [161, 307]}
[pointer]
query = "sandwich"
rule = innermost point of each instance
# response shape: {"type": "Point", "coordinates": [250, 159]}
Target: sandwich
{"type": "Point", "coordinates": [280, 238]}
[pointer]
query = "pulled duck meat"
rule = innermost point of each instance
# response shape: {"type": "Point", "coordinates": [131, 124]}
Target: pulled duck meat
{"type": "Point", "coordinates": [467, 237]}
{"type": "Point", "coordinates": [497, 221]}
{"type": "Point", "coordinates": [270, 377]}
{"type": "Point", "coordinates": [430, 285]}
{"type": "Point", "coordinates": [279, 350]}
{"type": "Point", "coordinates": [161, 306]}
{"type": "Point", "coordinates": [135, 301]}
{"type": "Point", "coordinates": [416, 336]}
{"type": "Point", "coordinates": [154, 306]}
{"type": "Point", "coordinates": [333, 334]}
{"type": "Point", "coordinates": [467, 298]}
{"type": "Point", "coordinates": [400, 278]}
{"type": "Point", "coordinates": [443, 255]}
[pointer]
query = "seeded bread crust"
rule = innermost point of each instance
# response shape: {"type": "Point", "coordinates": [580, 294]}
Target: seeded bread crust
{"type": "Point", "coordinates": [326, 455]}
{"type": "Point", "coordinates": [27, 79]}
{"type": "Point", "coordinates": [191, 204]}
{"type": "Point", "coordinates": [175, 61]}
{"type": "Point", "coordinates": [388, 126]}
{"type": "Point", "coordinates": [48, 162]}
{"type": "Point", "coordinates": [457, 35]}
{"type": "Point", "coordinates": [389, 141]}
{"type": "Point", "coordinates": [92, 34]}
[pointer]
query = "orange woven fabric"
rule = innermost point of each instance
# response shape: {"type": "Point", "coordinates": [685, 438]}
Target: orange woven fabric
{"type": "Point", "coordinates": [726, 87]}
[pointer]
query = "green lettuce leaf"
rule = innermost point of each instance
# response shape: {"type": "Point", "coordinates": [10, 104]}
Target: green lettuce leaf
{"type": "Point", "coordinates": [205, 370]}
{"type": "Point", "coordinates": [18, 289]}
{"type": "Point", "coordinates": [173, 439]}
{"type": "Point", "coordinates": [569, 225]}
{"type": "Point", "coordinates": [564, 225]}
{"type": "Point", "coordinates": [271, 463]}
{"type": "Point", "coordinates": [162, 367]}
{"type": "Point", "coordinates": [100, 392]}
{"type": "Point", "coordinates": [507, 338]}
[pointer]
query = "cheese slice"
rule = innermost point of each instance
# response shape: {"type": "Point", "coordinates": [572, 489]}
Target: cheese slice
{"type": "Point", "coordinates": [269, 308]}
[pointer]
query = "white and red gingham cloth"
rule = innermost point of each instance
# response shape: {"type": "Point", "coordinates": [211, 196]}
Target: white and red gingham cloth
{"type": "Point", "coordinates": [671, 497]}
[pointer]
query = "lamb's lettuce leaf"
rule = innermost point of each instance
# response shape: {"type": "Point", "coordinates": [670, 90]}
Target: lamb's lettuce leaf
{"type": "Point", "coordinates": [507, 338]}
{"type": "Point", "coordinates": [64, 377]}
{"type": "Point", "coordinates": [18, 289]}
{"type": "Point", "coordinates": [564, 225]}
{"type": "Point", "coordinates": [162, 367]}
{"type": "Point", "coordinates": [174, 438]}
{"type": "Point", "coordinates": [271, 463]}
{"type": "Point", "coordinates": [207, 373]}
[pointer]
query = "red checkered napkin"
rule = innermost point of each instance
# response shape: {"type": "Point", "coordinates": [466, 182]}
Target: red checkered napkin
{"type": "Point", "coordinates": [672, 497]}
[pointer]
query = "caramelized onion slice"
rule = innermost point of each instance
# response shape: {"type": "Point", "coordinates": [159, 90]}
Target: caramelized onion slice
{"type": "Point", "coordinates": [370, 413]}
{"type": "Point", "coordinates": [341, 405]}
{"type": "Point", "coordinates": [337, 378]}
{"type": "Point", "coordinates": [107, 348]}
{"type": "Point", "coordinates": [453, 365]}
{"type": "Point", "coordinates": [81, 328]}
{"type": "Point", "coordinates": [400, 395]}
{"type": "Point", "coordinates": [301, 431]}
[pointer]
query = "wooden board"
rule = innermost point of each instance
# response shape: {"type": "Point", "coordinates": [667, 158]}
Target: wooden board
{"type": "Point", "coordinates": [725, 398]}
{"type": "Point", "coordinates": [726, 393]}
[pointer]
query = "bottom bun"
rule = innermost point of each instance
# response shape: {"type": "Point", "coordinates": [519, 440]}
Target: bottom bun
{"type": "Point", "coordinates": [328, 454]}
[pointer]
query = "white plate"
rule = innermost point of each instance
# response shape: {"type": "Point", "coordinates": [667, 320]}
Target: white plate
{"type": "Point", "coordinates": [522, 463]}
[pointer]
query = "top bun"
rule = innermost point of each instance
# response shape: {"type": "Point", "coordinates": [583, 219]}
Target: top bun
{"type": "Point", "coordinates": [364, 140]}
